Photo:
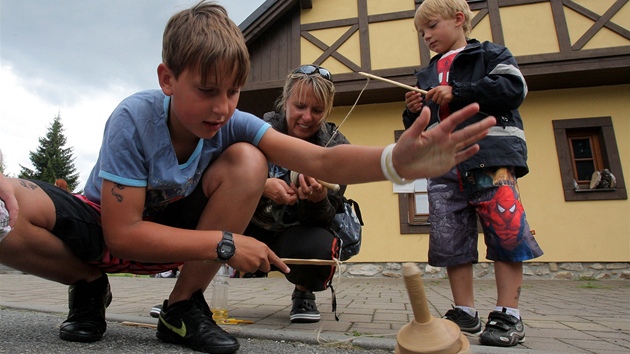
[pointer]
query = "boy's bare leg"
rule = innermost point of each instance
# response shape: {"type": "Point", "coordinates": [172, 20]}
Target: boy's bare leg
{"type": "Point", "coordinates": [509, 280]}
{"type": "Point", "coordinates": [30, 247]}
{"type": "Point", "coordinates": [234, 184]}
{"type": "Point", "coordinates": [461, 280]}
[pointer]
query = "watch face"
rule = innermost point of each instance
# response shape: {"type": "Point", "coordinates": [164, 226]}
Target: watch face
{"type": "Point", "coordinates": [226, 250]}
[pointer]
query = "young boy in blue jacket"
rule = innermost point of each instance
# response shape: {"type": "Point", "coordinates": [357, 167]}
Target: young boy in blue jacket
{"type": "Point", "coordinates": [484, 186]}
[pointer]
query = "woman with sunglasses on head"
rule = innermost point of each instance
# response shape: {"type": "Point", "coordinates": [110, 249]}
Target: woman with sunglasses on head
{"type": "Point", "coordinates": [294, 219]}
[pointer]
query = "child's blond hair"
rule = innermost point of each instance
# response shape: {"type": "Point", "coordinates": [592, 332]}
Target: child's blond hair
{"type": "Point", "coordinates": [204, 38]}
{"type": "Point", "coordinates": [431, 9]}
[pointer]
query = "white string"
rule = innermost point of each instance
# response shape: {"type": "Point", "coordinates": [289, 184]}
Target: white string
{"type": "Point", "coordinates": [350, 111]}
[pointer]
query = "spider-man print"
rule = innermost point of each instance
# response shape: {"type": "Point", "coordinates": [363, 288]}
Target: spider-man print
{"type": "Point", "coordinates": [506, 230]}
{"type": "Point", "coordinates": [504, 215]}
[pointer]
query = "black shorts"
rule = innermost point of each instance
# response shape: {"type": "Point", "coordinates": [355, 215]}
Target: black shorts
{"type": "Point", "coordinates": [302, 242]}
{"type": "Point", "coordinates": [78, 225]}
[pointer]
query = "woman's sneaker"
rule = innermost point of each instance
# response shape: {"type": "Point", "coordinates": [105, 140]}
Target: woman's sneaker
{"type": "Point", "coordinates": [304, 309]}
{"type": "Point", "coordinates": [190, 323]}
{"type": "Point", "coordinates": [469, 325]}
{"type": "Point", "coordinates": [503, 330]}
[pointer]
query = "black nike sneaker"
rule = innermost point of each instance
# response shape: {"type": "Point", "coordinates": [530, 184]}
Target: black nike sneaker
{"type": "Point", "coordinates": [503, 330]}
{"type": "Point", "coordinates": [87, 303]}
{"type": "Point", "coordinates": [190, 323]}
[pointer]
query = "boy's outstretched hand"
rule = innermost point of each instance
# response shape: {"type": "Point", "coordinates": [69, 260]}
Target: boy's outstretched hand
{"type": "Point", "coordinates": [419, 153]}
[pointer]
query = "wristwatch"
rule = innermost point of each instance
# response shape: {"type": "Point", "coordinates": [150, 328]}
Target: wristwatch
{"type": "Point", "coordinates": [225, 247]}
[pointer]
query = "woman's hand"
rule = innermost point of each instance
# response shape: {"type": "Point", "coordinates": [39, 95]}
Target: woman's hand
{"type": "Point", "coordinates": [279, 191]}
{"type": "Point", "coordinates": [309, 189]}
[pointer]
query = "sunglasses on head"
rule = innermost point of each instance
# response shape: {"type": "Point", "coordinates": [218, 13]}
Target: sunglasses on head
{"type": "Point", "coordinates": [314, 69]}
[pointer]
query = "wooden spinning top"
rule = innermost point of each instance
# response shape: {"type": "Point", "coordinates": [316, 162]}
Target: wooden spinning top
{"type": "Point", "coordinates": [427, 334]}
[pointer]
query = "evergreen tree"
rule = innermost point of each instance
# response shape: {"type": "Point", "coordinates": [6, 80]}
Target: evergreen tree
{"type": "Point", "coordinates": [51, 160]}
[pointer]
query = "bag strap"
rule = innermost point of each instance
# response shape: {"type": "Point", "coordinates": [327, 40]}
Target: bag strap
{"type": "Point", "coordinates": [357, 210]}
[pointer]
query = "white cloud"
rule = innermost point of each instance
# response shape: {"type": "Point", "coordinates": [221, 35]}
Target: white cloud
{"type": "Point", "coordinates": [79, 59]}
{"type": "Point", "coordinates": [26, 117]}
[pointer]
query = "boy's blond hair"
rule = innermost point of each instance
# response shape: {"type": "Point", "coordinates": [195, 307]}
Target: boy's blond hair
{"type": "Point", "coordinates": [431, 9]}
{"type": "Point", "coordinates": [323, 89]}
{"type": "Point", "coordinates": [204, 38]}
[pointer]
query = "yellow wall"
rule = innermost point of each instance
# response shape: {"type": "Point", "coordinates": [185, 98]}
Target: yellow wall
{"type": "Point", "coordinates": [578, 230]}
{"type": "Point", "coordinates": [596, 231]}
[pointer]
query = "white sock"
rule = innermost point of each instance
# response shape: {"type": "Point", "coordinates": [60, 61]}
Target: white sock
{"type": "Point", "coordinates": [469, 310]}
{"type": "Point", "coordinates": [509, 310]}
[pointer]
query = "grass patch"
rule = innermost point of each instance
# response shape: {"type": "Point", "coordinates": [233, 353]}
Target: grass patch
{"type": "Point", "coordinates": [127, 275]}
{"type": "Point", "coordinates": [590, 285]}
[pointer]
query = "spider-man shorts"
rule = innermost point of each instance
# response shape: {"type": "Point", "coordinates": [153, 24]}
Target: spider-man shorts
{"type": "Point", "coordinates": [78, 225]}
{"type": "Point", "coordinates": [490, 195]}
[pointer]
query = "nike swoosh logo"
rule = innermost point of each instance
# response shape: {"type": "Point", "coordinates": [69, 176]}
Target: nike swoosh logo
{"type": "Point", "coordinates": [181, 331]}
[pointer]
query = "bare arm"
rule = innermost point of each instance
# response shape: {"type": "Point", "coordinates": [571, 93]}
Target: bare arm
{"type": "Point", "coordinates": [129, 237]}
{"type": "Point", "coordinates": [338, 164]}
{"type": "Point", "coordinates": [418, 153]}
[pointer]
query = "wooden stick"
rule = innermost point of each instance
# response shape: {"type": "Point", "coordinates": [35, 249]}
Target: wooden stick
{"type": "Point", "coordinates": [332, 186]}
{"type": "Point", "coordinates": [139, 324]}
{"type": "Point", "coordinates": [410, 88]}
{"type": "Point", "coordinates": [294, 176]}
{"type": "Point", "coordinates": [299, 261]}
{"type": "Point", "coordinates": [236, 321]}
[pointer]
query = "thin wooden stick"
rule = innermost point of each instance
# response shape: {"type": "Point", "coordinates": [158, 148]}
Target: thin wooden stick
{"type": "Point", "coordinates": [309, 261]}
{"type": "Point", "coordinates": [139, 324]}
{"type": "Point", "coordinates": [410, 88]}
{"type": "Point", "coordinates": [294, 176]}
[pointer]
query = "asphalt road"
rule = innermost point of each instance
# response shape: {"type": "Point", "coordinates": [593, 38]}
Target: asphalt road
{"type": "Point", "coordinates": [37, 332]}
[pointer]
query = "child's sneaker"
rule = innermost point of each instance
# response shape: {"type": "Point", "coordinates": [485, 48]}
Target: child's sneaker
{"type": "Point", "coordinates": [190, 323]}
{"type": "Point", "coordinates": [304, 309]}
{"type": "Point", "coordinates": [503, 330]}
{"type": "Point", "coordinates": [469, 325]}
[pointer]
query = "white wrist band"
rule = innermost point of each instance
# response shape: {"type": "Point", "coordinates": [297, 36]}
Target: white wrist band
{"type": "Point", "coordinates": [387, 165]}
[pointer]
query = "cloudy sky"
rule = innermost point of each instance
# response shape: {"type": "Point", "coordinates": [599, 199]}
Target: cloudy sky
{"type": "Point", "coordinates": [78, 59]}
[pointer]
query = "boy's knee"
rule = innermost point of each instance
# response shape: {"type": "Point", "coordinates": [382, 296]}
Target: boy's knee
{"type": "Point", "coordinates": [242, 164]}
{"type": "Point", "coordinates": [247, 160]}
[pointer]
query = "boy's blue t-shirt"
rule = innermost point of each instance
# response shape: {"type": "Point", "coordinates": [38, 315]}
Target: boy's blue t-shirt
{"type": "Point", "coordinates": [137, 150]}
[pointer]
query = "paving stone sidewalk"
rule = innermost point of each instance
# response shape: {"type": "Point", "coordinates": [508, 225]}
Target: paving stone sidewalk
{"type": "Point", "coordinates": [561, 316]}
